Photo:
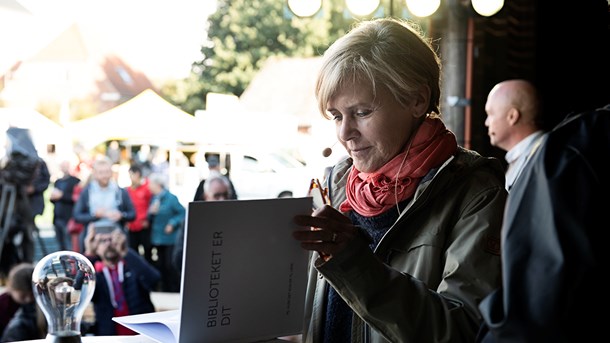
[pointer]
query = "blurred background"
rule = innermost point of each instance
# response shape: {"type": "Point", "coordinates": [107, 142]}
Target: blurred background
{"type": "Point", "coordinates": [176, 81]}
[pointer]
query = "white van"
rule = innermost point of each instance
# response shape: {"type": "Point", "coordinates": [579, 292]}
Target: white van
{"type": "Point", "coordinates": [262, 174]}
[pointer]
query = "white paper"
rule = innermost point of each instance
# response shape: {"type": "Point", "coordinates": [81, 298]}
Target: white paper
{"type": "Point", "coordinates": [163, 327]}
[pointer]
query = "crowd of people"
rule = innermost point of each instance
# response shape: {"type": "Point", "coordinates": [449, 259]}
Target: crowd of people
{"type": "Point", "coordinates": [133, 235]}
{"type": "Point", "coordinates": [419, 239]}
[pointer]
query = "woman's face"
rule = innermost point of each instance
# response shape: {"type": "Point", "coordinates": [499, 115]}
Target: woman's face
{"type": "Point", "coordinates": [372, 129]}
{"type": "Point", "coordinates": [154, 187]}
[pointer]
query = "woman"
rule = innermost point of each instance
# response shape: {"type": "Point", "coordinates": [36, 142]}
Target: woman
{"type": "Point", "coordinates": [166, 217]}
{"type": "Point", "coordinates": [411, 243]}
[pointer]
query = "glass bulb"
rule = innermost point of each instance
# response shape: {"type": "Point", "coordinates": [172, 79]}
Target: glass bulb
{"type": "Point", "coordinates": [63, 283]}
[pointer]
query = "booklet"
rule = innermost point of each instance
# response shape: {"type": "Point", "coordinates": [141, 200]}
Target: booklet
{"type": "Point", "coordinates": [243, 277]}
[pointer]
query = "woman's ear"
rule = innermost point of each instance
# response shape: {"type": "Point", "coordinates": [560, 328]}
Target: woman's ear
{"type": "Point", "coordinates": [421, 101]}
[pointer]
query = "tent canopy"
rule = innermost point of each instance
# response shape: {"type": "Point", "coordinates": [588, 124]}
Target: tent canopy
{"type": "Point", "coordinates": [147, 118]}
{"type": "Point", "coordinates": [43, 130]}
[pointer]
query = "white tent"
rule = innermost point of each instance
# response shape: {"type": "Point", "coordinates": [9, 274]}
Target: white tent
{"type": "Point", "coordinates": [43, 130]}
{"type": "Point", "coordinates": [146, 118]}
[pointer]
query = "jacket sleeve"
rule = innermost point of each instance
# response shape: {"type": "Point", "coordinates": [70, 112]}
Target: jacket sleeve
{"type": "Point", "coordinates": [81, 212]}
{"type": "Point", "coordinates": [43, 178]}
{"type": "Point", "coordinates": [178, 213]}
{"type": "Point", "coordinates": [147, 275]}
{"type": "Point", "coordinates": [128, 210]}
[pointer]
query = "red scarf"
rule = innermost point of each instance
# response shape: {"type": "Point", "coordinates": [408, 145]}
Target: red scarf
{"type": "Point", "coordinates": [371, 194]}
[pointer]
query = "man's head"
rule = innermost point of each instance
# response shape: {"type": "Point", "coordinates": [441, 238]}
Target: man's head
{"type": "Point", "coordinates": [101, 171]}
{"type": "Point", "coordinates": [213, 163]}
{"type": "Point", "coordinates": [110, 246]}
{"type": "Point", "coordinates": [65, 166]}
{"type": "Point", "coordinates": [512, 108]}
{"type": "Point", "coordinates": [135, 174]}
{"type": "Point", "coordinates": [217, 187]}
{"type": "Point", "coordinates": [19, 284]}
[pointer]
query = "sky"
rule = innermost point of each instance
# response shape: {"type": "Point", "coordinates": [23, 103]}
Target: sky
{"type": "Point", "coordinates": [158, 37]}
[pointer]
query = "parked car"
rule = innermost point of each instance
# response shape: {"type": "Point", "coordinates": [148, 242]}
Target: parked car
{"type": "Point", "coordinates": [263, 174]}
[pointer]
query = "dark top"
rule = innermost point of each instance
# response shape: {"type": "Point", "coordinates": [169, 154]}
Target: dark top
{"type": "Point", "coordinates": [8, 307]}
{"type": "Point", "coordinates": [63, 206]}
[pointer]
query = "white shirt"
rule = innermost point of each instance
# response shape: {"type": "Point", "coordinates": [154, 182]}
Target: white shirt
{"type": "Point", "coordinates": [517, 157]}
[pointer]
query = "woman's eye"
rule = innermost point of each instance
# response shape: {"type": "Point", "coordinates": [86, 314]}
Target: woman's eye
{"type": "Point", "coordinates": [335, 115]}
{"type": "Point", "coordinates": [363, 113]}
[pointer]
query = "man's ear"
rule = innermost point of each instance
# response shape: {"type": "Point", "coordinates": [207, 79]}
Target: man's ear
{"type": "Point", "coordinates": [421, 101]}
{"type": "Point", "coordinates": [513, 115]}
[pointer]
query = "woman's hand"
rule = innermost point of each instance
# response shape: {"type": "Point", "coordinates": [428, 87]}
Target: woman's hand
{"type": "Point", "coordinates": [329, 234]}
{"type": "Point", "coordinates": [119, 240]}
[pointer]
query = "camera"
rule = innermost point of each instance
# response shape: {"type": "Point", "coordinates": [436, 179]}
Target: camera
{"type": "Point", "coordinates": [104, 227]}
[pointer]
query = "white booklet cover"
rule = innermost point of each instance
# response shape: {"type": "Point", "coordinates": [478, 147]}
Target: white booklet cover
{"type": "Point", "coordinates": [243, 276]}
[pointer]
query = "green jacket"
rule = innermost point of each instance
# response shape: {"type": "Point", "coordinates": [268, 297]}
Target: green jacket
{"type": "Point", "coordinates": [427, 275]}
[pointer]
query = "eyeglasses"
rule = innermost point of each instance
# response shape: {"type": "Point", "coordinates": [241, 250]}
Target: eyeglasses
{"type": "Point", "coordinates": [318, 193]}
{"type": "Point", "coordinates": [103, 240]}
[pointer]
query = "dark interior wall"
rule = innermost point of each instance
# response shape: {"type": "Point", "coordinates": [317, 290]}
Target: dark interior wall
{"type": "Point", "coordinates": [505, 48]}
{"type": "Point", "coordinates": [562, 46]}
{"type": "Point", "coordinates": [572, 56]}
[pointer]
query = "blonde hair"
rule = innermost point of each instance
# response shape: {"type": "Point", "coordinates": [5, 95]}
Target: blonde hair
{"type": "Point", "coordinates": [386, 52]}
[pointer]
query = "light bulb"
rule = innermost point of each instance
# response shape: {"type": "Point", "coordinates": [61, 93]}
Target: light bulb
{"type": "Point", "coordinates": [487, 8]}
{"type": "Point", "coordinates": [304, 8]}
{"type": "Point", "coordinates": [422, 8]}
{"type": "Point", "coordinates": [362, 7]}
{"type": "Point", "coordinates": [63, 283]}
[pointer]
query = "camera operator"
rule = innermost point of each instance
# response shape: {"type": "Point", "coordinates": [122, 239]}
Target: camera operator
{"type": "Point", "coordinates": [24, 178]}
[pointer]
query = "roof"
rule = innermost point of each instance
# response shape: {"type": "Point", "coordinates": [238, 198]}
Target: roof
{"type": "Point", "coordinates": [76, 67]}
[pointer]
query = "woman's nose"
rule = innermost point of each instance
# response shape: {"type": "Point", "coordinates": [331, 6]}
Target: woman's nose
{"type": "Point", "coordinates": [346, 130]}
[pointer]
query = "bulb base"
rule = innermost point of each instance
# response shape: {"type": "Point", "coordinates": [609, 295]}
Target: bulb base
{"type": "Point", "coordinates": [65, 338]}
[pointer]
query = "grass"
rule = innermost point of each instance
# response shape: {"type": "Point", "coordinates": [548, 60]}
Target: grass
{"type": "Point", "coordinates": [45, 220]}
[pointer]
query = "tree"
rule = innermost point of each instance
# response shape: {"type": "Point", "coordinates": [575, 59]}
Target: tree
{"type": "Point", "coordinates": [242, 34]}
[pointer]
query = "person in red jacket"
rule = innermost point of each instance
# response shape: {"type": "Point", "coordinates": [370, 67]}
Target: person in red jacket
{"type": "Point", "coordinates": [139, 229]}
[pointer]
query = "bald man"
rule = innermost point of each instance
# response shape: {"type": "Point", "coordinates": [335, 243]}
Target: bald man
{"type": "Point", "coordinates": [513, 123]}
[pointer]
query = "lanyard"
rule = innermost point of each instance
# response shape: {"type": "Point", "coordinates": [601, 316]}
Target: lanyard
{"type": "Point", "coordinates": [110, 282]}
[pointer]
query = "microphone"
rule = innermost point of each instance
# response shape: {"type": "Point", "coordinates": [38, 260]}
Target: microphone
{"type": "Point", "coordinates": [328, 150]}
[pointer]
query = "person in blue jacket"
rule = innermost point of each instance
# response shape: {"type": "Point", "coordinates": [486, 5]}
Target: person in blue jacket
{"type": "Point", "coordinates": [166, 215]}
{"type": "Point", "coordinates": [103, 202]}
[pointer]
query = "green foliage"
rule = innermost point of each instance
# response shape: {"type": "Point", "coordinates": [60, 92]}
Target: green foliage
{"type": "Point", "coordinates": [242, 34]}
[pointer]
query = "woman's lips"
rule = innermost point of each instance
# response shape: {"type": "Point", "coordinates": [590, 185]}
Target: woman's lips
{"type": "Point", "coordinates": [359, 152]}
